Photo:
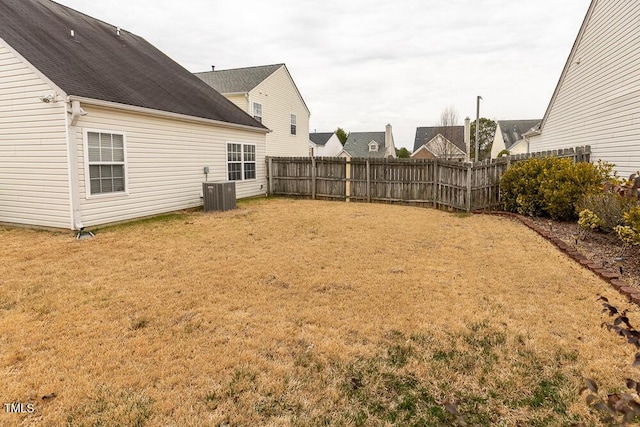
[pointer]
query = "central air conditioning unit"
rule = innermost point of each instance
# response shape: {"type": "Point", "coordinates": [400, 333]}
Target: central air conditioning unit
{"type": "Point", "coordinates": [219, 196]}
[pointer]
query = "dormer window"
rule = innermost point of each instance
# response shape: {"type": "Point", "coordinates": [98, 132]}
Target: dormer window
{"type": "Point", "coordinates": [373, 146]}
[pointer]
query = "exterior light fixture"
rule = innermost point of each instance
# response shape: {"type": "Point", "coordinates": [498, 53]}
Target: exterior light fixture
{"type": "Point", "coordinates": [619, 260]}
{"type": "Point", "coordinates": [48, 98]}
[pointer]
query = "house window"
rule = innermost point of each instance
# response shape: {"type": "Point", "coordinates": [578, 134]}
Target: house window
{"type": "Point", "coordinates": [293, 124]}
{"type": "Point", "coordinates": [241, 161]}
{"type": "Point", "coordinates": [257, 111]}
{"type": "Point", "coordinates": [373, 146]}
{"type": "Point", "coordinates": [106, 162]}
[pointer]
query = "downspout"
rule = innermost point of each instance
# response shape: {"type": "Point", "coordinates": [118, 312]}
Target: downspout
{"type": "Point", "coordinates": [74, 115]}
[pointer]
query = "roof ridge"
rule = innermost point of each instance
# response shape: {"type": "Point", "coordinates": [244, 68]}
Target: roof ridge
{"type": "Point", "coordinates": [240, 68]}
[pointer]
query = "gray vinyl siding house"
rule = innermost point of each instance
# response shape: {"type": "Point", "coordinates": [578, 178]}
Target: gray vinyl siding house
{"type": "Point", "coordinates": [597, 99]}
{"type": "Point", "coordinates": [98, 126]}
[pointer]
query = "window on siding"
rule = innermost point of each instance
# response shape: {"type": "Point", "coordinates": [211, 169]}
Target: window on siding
{"type": "Point", "coordinates": [241, 161]}
{"type": "Point", "coordinates": [106, 162]}
{"type": "Point", "coordinates": [293, 124]}
{"type": "Point", "coordinates": [257, 111]}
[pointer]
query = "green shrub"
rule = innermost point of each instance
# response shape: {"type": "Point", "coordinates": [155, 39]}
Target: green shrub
{"type": "Point", "coordinates": [629, 233]}
{"type": "Point", "coordinates": [589, 221]}
{"type": "Point", "coordinates": [549, 186]}
{"type": "Point", "coordinates": [608, 207]}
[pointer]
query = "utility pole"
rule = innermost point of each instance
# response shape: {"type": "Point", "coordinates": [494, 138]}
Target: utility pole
{"type": "Point", "coordinates": [477, 124]}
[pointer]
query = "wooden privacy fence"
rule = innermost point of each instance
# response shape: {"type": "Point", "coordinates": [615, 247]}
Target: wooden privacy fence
{"type": "Point", "coordinates": [439, 183]}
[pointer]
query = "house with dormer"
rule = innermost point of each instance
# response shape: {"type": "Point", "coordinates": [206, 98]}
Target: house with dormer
{"type": "Point", "coordinates": [379, 145]}
{"type": "Point", "coordinates": [98, 126]}
{"type": "Point", "coordinates": [269, 94]}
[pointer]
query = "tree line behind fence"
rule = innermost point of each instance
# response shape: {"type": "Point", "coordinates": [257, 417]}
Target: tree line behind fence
{"type": "Point", "coordinates": [439, 183]}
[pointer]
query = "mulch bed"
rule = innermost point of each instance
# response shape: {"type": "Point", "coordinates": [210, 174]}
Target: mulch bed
{"type": "Point", "coordinates": [600, 248]}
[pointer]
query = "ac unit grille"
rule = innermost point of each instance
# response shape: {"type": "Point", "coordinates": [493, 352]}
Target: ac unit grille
{"type": "Point", "coordinates": [219, 196]}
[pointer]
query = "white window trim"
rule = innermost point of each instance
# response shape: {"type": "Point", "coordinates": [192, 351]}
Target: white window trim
{"type": "Point", "coordinates": [87, 177]}
{"type": "Point", "coordinates": [242, 161]}
{"type": "Point", "coordinates": [291, 123]}
{"type": "Point", "coordinates": [374, 147]}
{"type": "Point", "coordinates": [253, 103]}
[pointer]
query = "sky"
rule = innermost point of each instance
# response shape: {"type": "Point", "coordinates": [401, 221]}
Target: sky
{"type": "Point", "coordinates": [360, 64]}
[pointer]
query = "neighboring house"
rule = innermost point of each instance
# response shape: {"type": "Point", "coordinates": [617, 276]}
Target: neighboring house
{"type": "Point", "coordinates": [98, 126]}
{"type": "Point", "coordinates": [269, 94]}
{"type": "Point", "coordinates": [597, 99]}
{"type": "Point", "coordinates": [512, 136]}
{"type": "Point", "coordinates": [324, 144]}
{"type": "Point", "coordinates": [370, 144]}
{"type": "Point", "coordinates": [440, 142]}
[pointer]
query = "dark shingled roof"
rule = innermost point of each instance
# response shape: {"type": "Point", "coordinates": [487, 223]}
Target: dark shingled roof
{"type": "Point", "coordinates": [357, 144]}
{"type": "Point", "coordinates": [99, 64]}
{"type": "Point", "coordinates": [238, 80]}
{"type": "Point", "coordinates": [455, 134]}
{"type": "Point", "coordinates": [320, 138]}
{"type": "Point", "coordinates": [512, 130]}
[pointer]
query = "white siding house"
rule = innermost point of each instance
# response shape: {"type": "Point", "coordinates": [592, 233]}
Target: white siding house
{"type": "Point", "coordinates": [597, 99]}
{"type": "Point", "coordinates": [269, 94]}
{"type": "Point", "coordinates": [512, 136]}
{"type": "Point", "coordinates": [83, 145]}
{"type": "Point", "coordinates": [324, 144]}
{"type": "Point", "coordinates": [33, 147]}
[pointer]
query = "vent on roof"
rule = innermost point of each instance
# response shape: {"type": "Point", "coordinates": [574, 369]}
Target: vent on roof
{"type": "Point", "coordinates": [117, 31]}
{"type": "Point", "coordinates": [73, 33]}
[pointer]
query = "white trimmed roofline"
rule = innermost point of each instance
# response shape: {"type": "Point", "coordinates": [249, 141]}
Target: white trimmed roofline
{"type": "Point", "coordinates": [567, 65]}
{"type": "Point", "coordinates": [167, 114]}
{"type": "Point", "coordinates": [422, 147]}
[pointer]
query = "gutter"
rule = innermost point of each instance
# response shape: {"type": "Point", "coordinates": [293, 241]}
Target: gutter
{"type": "Point", "coordinates": [166, 114]}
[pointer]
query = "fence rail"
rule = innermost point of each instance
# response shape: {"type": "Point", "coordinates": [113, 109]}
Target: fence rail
{"type": "Point", "coordinates": [438, 183]}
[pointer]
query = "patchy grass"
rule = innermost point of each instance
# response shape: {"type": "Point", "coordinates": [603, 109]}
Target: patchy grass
{"type": "Point", "coordinates": [294, 312]}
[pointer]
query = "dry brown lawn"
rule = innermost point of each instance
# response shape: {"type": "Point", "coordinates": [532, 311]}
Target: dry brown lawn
{"type": "Point", "coordinates": [290, 312]}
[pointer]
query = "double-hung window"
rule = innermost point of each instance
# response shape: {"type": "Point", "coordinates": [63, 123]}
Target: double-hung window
{"type": "Point", "coordinates": [241, 161]}
{"type": "Point", "coordinates": [105, 162]}
{"type": "Point", "coordinates": [257, 111]}
{"type": "Point", "coordinates": [293, 124]}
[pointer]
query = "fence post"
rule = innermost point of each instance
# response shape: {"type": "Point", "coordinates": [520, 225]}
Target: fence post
{"type": "Point", "coordinates": [348, 181]}
{"type": "Point", "coordinates": [313, 178]}
{"type": "Point", "coordinates": [368, 181]}
{"type": "Point", "coordinates": [469, 170]}
{"type": "Point", "coordinates": [436, 179]}
{"type": "Point", "coordinates": [270, 177]}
